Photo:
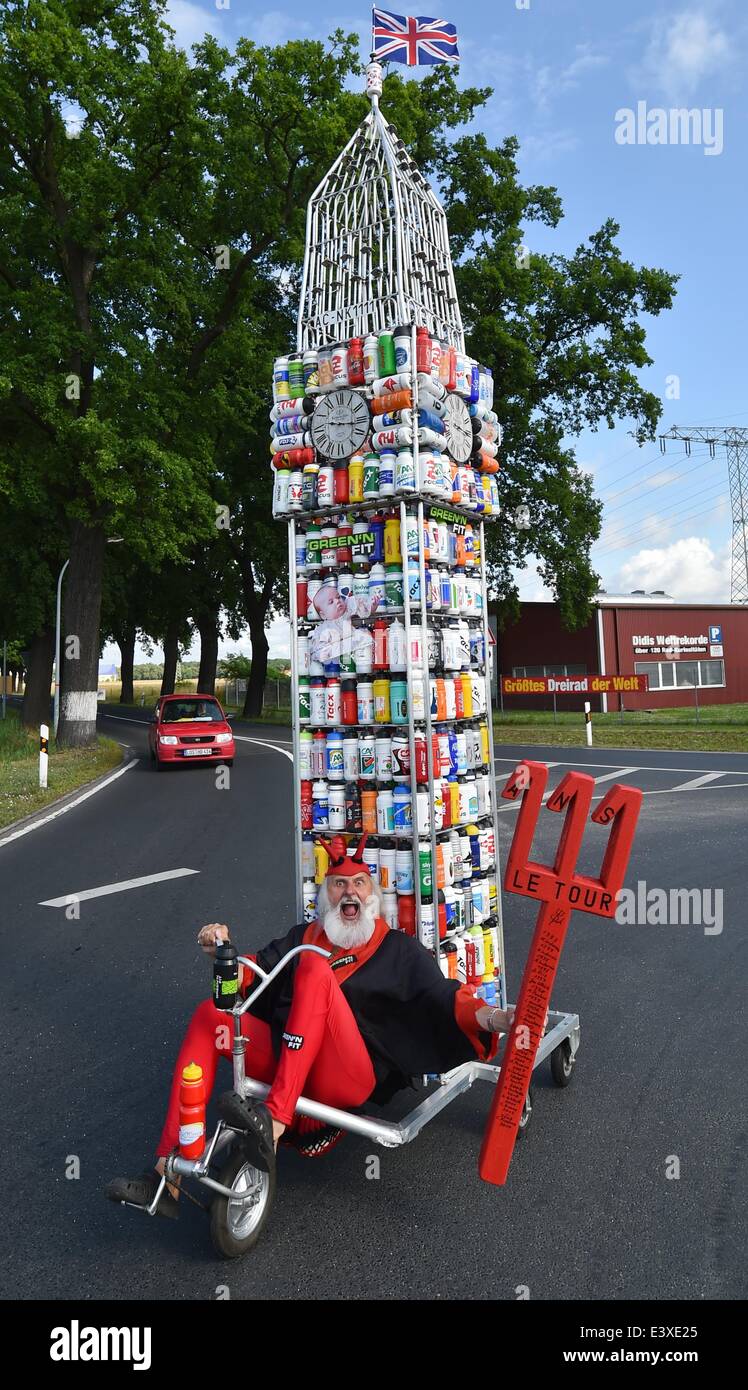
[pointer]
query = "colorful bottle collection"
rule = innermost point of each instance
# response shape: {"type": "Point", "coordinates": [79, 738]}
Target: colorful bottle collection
{"type": "Point", "coordinates": [406, 451]}
{"type": "Point", "coordinates": [353, 714]}
{"type": "Point", "coordinates": [390, 632]}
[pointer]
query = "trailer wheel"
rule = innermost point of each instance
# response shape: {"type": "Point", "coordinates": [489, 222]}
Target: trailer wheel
{"type": "Point", "coordinates": [526, 1115]}
{"type": "Point", "coordinates": [562, 1063]}
{"type": "Point", "coordinates": [235, 1228]}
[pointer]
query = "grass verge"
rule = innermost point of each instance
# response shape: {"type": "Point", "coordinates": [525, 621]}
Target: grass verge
{"type": "Point", "coordinates": [720, 728]}
{"type": "Point", "coordinates": [69, 768]}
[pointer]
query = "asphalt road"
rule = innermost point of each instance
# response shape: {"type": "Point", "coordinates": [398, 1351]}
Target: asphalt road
{"type": "Point", "coordinates": [94, 1010]}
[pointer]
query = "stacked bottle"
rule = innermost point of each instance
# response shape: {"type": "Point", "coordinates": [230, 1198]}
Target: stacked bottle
{"type": "Point", "coordinates": [392, 717]}
{"type": "Point", "coordinates": [353, 715]}
{"type": "Point", "coordinates": [407, 450]}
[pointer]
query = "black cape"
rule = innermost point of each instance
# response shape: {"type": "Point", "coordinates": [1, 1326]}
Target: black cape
{"type": "Point", "coordinates": [403, 1006]}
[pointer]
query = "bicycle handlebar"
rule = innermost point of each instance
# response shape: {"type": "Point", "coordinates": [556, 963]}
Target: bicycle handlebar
{"type": "Point", "coordinates": [267, 978]}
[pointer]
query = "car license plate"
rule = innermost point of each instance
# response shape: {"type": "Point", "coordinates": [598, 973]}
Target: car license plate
{"type": "Point", "coordinates": [197, 752]}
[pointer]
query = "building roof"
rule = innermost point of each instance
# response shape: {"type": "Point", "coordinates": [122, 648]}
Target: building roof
{"type": "Point", "coordinates": [656, 598]}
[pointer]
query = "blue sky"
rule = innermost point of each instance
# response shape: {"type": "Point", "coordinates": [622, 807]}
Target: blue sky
{"type": "Point", "coordinates": [562, 71]}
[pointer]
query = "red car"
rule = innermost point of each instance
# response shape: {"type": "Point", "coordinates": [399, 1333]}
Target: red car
{"type": "Point", "coordinates": [186, 728]}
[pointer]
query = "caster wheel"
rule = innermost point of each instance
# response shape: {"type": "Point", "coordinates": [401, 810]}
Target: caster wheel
{"type": "Point", "coordinates": [562, 1063]}
{"type": "Point", "coordinates": [235, 1227]}
{"type": "Point", "coordinates": [526, 1114]}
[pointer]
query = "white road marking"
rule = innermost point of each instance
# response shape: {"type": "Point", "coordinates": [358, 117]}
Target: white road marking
{"type": "Point", "coordinates": [662, 791]}
{"type": "Point", "coordinates": [697, 782]}
{"type": "Point", "coordinates": [121, 887]}
{"type": "Point", "coordinates": [734, 772]}
{"type": "Point", "coordinates": [61, 810]}
{"type": "Point", "coordinates": [619, 772]}
{"type": "Point", "coordinates": [242, 738]}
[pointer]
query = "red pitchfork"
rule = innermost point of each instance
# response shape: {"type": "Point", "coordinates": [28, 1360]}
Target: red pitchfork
{"type": "Point", "coordinates": [560, 889]}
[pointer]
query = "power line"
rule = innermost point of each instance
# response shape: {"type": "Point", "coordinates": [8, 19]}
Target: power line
{"type": "Point", "coordinates": [711, 488]}
{"type": "Point", "coordinates": [667, 482]}
{"type": "Point", "coordinates": [626, 545]}
{"type": "Point", "coordinates": [645, 464]}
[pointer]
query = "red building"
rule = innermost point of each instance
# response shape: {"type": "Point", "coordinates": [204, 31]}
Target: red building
{"type": "Point", "coordinates": [689, 651]}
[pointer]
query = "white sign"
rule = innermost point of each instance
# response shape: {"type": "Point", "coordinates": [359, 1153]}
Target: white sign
{"type": "Point", "coordinates": [672, 644]}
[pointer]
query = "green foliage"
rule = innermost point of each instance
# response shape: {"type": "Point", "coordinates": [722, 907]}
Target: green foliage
{"type": "Point", "coordinates": [148, 276]}
{"type": "Point", "coordinates": [235, 666]}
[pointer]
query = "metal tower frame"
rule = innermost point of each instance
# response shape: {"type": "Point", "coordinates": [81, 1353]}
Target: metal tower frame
{"type": "Point", "coordinates": [735, 441]}
{"type": "Point", "coordinates": [377, 249]}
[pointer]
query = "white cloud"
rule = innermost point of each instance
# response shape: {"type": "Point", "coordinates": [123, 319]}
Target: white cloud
{"type": "Point", "coordinates": [532, 588]}
{"type": "Point", "coordinates": [277, 27]}
{"type": "Point", "coordinates": [690, 570]}
{"type": "Point", "coordinates": [550, 145]}
{"type": "Point", "coordinates": [547, 83]}
{"type": "Point", "coordinates": [585, 61]}
{"type": "Point", "coordinates": [192, 22]}
{"type": "Point", "coordinates": [683, 49]}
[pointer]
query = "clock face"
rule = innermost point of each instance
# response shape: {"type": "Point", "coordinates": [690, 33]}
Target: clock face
{"type": "Point", "coordinates": [458, 429]}
{"type": "Point", "coordinates": [340, 423]}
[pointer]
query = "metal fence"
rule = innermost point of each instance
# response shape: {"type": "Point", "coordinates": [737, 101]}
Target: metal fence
{"type": "Point", "coordinates": [276, 693]}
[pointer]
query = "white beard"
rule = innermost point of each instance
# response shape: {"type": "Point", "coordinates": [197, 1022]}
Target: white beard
{"type": "Point", "coordinates": [349, 934]}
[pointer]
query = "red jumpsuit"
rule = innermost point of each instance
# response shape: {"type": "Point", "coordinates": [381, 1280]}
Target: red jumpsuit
{"type": "Point", "coordinates": [323, 1056]}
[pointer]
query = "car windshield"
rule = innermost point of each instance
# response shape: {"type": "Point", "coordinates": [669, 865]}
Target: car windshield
{"type": "Point", "coordinates": [196, 711]}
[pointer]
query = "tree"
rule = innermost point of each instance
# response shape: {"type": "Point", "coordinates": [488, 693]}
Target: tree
{"type": "Point", "coordinates": [563, 337]}
{"type": "Point", "coordinates": [235, 666]}
{"type": "Point", "coordinates": [86, 257]}
{"type": "Point", "coordinates": [149, 276]}
{"type": "Point", "coordinates": [31, 555]}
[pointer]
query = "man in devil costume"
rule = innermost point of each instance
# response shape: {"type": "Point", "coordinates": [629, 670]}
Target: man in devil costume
{"type": "Point", "coordinates": [355, 1027]}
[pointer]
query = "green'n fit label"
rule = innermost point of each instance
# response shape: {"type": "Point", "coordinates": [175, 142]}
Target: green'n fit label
{"type": "Point", "coordinates": [362, 542]}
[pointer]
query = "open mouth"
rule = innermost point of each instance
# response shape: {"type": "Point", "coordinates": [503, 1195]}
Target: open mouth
{"type": "Point", "coordinates": [349, 909]}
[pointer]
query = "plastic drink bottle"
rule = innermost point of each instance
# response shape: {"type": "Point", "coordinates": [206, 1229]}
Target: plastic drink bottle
{"type": "Point", "coordinates": [306, 805]}
{"type": "Point", "coordinates": [336, 809]}
{"type": "Point", "coordinates": [192, 1110]}
{"type": "Point", "coordinates": [225, 977]}
{"type": "Point", "coordinates": [307, 856]}
{"type": "Point", "coordinates": [371, 358]}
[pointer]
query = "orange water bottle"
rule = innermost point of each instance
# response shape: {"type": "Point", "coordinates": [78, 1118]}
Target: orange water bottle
{"type": "Point", "coordinates": [192, 1112]}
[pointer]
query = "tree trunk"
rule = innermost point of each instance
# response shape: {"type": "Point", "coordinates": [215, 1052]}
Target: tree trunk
{"type": "Point", "coordinates": [126, 644]}
{"type": "Point", "coordinates": [36, 707]}
{"type": "Point", "coordinates": [80, 637]}
{"type": "Point", "coordinates": [256, 607]}
{"type": "Point", "coordinates": [171, 657]}
{"type": "Point", "coordinates": [253, 701]}
{"type": "Point", "coordinates": [207, 625]}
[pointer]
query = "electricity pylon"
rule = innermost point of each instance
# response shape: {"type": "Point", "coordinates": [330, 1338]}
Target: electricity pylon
{"type": "Point", "coordinates": [735, 441]}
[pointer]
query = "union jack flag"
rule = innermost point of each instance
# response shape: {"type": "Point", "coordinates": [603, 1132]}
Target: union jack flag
{"type": "Point", "coordinates": [413, 40]}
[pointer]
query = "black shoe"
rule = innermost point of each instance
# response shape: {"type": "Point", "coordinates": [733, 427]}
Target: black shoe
{"type": "Point", "coordinates": [311, 1138]}
{"type": "Point", "coordinates": [253, 1121]}
{"type": "Point", "coordinates": [140, 1192]}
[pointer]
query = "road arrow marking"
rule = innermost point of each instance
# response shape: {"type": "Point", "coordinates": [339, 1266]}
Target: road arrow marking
{"type": "Point", "coordinates": [122, 887]}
